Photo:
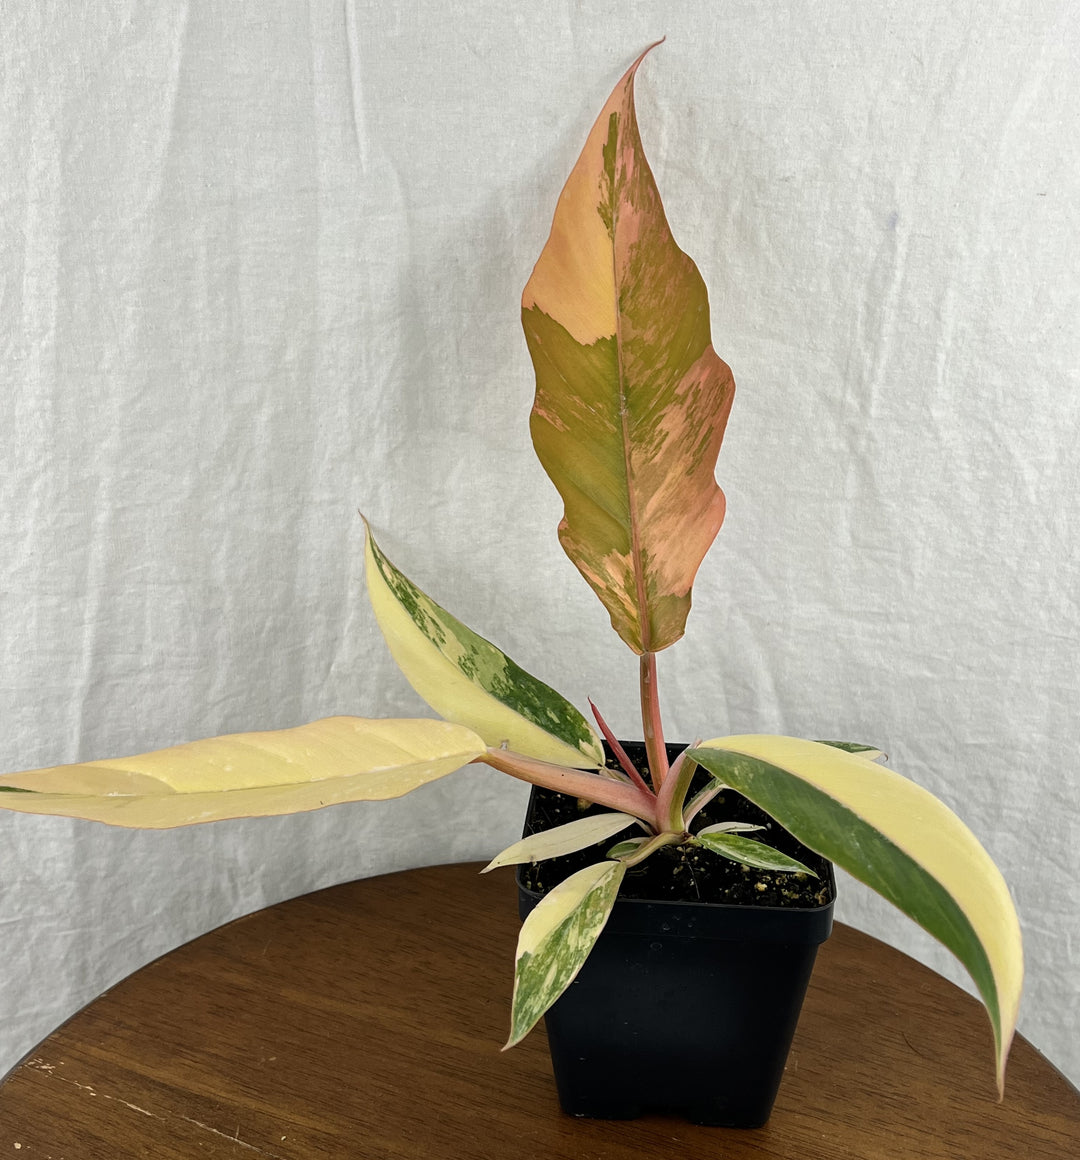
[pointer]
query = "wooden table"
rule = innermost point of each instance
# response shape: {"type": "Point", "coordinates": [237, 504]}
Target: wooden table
{"type": "Point", "coordinates": [365, 1021]}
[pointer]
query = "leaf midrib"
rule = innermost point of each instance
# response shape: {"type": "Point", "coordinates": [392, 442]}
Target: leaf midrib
{"type": "Point", "coordinates": [644, 626]}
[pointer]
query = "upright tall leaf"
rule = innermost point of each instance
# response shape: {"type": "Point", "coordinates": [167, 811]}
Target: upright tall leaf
{"type": "Point", "coordinates": [631, 399]}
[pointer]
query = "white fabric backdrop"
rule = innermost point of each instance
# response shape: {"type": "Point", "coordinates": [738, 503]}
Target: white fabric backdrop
{"type": "Point", "coordinates": [261, 266]}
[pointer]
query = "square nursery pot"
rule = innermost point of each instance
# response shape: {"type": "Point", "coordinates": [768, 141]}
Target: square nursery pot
{"type": "Point", "coordinates": [683, 1007]}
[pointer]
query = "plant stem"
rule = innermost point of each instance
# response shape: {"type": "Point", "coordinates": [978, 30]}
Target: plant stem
{"type": "Point", "coordinates": [668, 838]}
{"type": "Point", "coordinates": [650, 721]}
{"type": "Point", "coordinates": [672, 796]}
{"type": "Point", "coordinates": [617, 795]}
{"type": "Point", "coordinates": [617, 749]}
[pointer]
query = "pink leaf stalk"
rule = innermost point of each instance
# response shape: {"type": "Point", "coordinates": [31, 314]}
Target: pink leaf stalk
{"type": "Point", "coordinates": [620, 753]}
{"type": "Point", "coordinates": [650, 720]}
{"type": "Point", "coordinates": [628, 799]}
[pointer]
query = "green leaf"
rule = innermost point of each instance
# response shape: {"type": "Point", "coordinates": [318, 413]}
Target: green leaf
{"type": "Point", "coordinates": [240, 775]}
{"type": "Point", "coordinates": [565, 839]}
{"type": "Point", "coordinates": [556, 939]}
{"type": "Point", "coordinates": [631, 399]}
{"type": "Point", "coordinates": [625, 849]}
{"type": "Point", "coordinates": [731, 828]}
{"type": "Point", "coordinates": [870, 752]}
{"type": "Point", "coordinates": [749, 852]}
{"type": "Point", "coordinates": [898, 839]}
{"type": "Point", "coordinates": [466, 679]}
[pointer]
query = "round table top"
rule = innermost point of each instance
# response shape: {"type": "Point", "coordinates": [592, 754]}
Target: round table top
{"type": "Point", "coordinates": [366, 1020]}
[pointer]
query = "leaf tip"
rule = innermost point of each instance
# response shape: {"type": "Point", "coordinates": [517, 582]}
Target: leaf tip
{"type": "Point", "coordinates": [631, 72]}
{"type": "Point", "coordinates": [1002, 1063]}
{"type": "Point", "coordinates": [647, 50]}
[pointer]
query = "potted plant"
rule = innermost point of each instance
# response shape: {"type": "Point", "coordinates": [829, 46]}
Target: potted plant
{"type": "Point", "coordinates": [631, 406]}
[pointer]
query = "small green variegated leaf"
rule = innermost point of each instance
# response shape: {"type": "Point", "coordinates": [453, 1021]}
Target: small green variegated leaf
{"type": "Point", "coordinates": [240, 775]}
{"type": "Point", "coordinates": [730, 828]}
{"type": "Point", "coordinates": [625, 849]}
{"type": "Point", "coordinates": [566, 839]}
{"type": "Point", "coordinates": [465, 678]}
{"type": "Point", "coordinates": [750, 853]}
{"type": "Point", "coordinates": [870, 752]}
{"type": "Point", "coordinates": [556, 939]}
{"type": "Point", "coordinates": [897, 838]}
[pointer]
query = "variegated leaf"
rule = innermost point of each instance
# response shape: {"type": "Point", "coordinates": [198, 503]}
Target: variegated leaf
{"type": "Point", "coordinates": [625, 849]}
{"type": "Point", "coordinates": [748, 852]}
{"type": "Point", "coordinates": [565, 839]}
{"type": "Point", "coordinates": [631, 399]}
{"type": "Point", "coordinates": [285, 771]}
{"type": "Point", "coordinates": [555, 941]}
{"type": "Point", "coordinates": [730, 828]}
{"type": "Point", "coordinates": [898, 839]}
{"type": "Point", "coordinates": [467, 679]}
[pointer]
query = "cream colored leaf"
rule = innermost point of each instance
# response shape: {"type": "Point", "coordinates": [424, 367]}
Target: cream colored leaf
{"type": "Point", "coordinates": [337, 759]}
{"type": "Point", "coordinates": [565, 839]}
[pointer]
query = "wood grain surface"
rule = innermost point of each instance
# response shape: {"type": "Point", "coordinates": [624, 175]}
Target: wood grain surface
{"type": "Point", "coordinates": [365, 1021]}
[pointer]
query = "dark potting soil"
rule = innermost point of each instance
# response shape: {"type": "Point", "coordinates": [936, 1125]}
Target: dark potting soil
{"type": "Point", "coordinates": [683, 873]}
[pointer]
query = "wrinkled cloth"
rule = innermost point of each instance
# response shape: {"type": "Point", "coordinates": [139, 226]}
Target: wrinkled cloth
{"type": "Point", "coordinates": [261, 267]}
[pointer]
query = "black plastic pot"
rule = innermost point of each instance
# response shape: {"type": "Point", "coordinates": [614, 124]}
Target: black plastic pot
{"type": "Point", "coordinates": [683, 1008]}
